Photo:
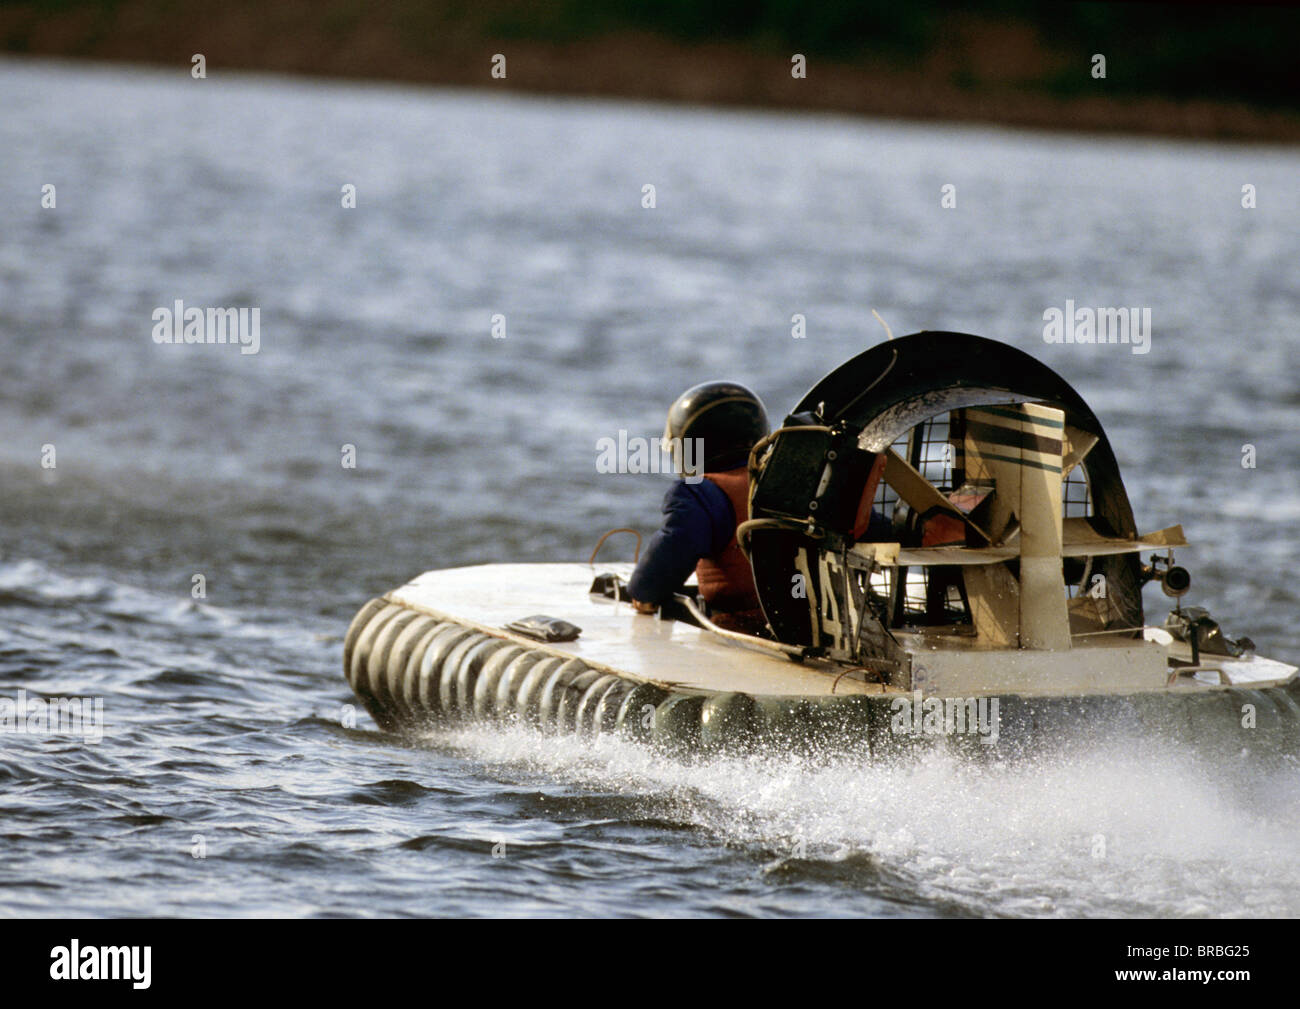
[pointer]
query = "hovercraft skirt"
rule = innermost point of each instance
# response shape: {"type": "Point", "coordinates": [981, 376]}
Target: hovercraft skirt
{"type": "Point", "coordinates": [411, 668]}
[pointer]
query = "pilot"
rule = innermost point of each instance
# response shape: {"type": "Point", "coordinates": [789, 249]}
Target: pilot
{"type": "Point", "coordinates": [711, 429]}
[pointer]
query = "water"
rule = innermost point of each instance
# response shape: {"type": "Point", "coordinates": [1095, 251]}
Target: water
{"type": "Point", "coordinates": [223, 732]}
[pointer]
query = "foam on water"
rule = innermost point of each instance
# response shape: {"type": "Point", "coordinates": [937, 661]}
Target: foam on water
{"type": "Point", "coordinates": [1138, 830]}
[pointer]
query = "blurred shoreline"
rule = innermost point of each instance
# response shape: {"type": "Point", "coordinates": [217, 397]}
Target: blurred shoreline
{"type": "Point", "coordinates": [985, 72]}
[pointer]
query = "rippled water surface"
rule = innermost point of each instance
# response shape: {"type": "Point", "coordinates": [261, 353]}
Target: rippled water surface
{"type": "Point", "coordinates": [223, 731]}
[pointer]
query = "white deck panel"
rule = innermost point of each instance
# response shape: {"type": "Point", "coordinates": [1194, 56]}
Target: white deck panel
{"type": "Point", "coordinates": [613, 635]}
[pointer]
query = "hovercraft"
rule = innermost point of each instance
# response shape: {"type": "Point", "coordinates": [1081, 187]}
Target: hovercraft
{"type": "Point", "coordinates": [1005, 607]}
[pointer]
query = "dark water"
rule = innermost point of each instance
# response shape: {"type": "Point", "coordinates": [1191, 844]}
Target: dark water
{"type": "Point", "coordinates": [222, 715]}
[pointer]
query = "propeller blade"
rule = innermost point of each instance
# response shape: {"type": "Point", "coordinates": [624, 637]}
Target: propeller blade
{"type": "Point", "coordinates": [1077, 446]}
{"type": "Point", "coordinates": [921, 495]}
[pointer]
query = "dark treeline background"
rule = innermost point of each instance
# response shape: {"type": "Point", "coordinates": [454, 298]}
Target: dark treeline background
{"type": "Point", "coordinates": [1229, 52]}
{"type": "Point", "coordinates": [998, 60]}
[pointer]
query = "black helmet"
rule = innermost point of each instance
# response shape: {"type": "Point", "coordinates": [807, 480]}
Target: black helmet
{"type": "Point", "coordinates": [727, 416]}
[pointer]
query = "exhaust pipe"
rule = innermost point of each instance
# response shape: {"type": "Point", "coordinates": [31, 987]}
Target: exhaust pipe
{"type": "Point", "coordinates": [1175, 581]}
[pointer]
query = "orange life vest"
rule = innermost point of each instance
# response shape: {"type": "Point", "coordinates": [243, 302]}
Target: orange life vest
{"type": "Point", "coordinates": [726, 579]}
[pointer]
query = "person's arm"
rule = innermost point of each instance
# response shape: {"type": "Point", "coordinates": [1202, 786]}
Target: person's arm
{"type": "Point", "coordinates": [672, 553]}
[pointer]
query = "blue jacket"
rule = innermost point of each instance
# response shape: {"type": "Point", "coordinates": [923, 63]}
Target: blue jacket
{"type": "Point", "coordinates": [698, 522]}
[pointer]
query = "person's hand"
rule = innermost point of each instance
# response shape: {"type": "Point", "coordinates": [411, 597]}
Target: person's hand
{"type": "Point", "coordinates": [641, 607]}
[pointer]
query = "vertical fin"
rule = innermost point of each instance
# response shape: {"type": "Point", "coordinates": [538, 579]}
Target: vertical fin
{"type": "Point", "coordinates": [1019, 449]}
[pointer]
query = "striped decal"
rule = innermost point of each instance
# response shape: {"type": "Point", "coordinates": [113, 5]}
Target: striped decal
{"type": "Point", "coordinates": [989, 434]}
{"type": "Point", "coordinates": [1023, 461]}
{"type": "Point", "coordinates": [1035, 431]}
{"type": "Point", "coordinates": [1011, 414]}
